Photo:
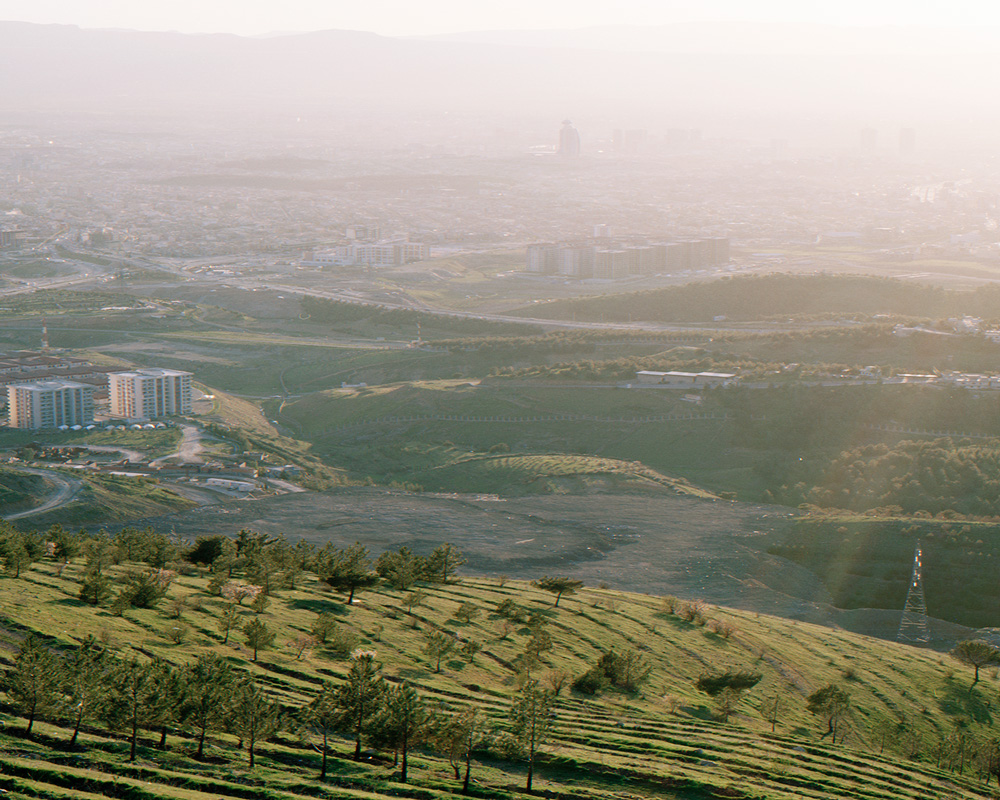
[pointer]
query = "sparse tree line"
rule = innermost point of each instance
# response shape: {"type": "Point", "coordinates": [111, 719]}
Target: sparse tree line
{"type": "Point", "coordinates": [915, 476]}
{"type": "Point", "coordinates": [776, 295]}
{"type": "Point", "coordinates": [210, 699]}
{"type": "Point", "coordinates": [90, 686]}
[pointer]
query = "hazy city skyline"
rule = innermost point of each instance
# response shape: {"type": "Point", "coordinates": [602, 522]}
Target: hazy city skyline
{"type": "Point", "coordinates": [400, 18]}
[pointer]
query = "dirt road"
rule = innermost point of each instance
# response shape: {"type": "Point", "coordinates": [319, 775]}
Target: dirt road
{"type": "Point", "coordinates": [189, 449]}
{"type": "Point", "coordinates": [66, 490]}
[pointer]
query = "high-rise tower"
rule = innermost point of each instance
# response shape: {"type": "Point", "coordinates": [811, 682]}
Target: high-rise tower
{"type": "Point", "coordinates": [569, 140]}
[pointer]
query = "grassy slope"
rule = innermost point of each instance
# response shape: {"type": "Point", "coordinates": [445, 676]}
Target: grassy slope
{"type": "Point", "coordinates": [18, 490]}
{"type": "Point", "coordinates": [662, 743]}
{"type": "Point", "coordinates": [246, 420]}
{"type": "Point", "coordinates": [412, 451]}
{"type": "Point", "coordinates": [111, 498]}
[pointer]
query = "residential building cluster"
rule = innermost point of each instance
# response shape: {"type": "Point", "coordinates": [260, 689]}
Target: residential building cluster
{"type": "Point", "coordinates": [606, 259]}
{"type": "Point", "coordinates": [136, 395]}
{"type": "Point", "coordinates": [369, 254]}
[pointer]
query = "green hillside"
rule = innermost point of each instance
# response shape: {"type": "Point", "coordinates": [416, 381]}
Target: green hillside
{"type": "Point", "coordinates": [19, 490]}
{"type": "Point", "coordinates": [913, 726]}
{"type": "Point", "coordinates": [744, 298]}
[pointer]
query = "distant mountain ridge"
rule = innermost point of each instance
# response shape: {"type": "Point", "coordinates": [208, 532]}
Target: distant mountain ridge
{"type": "Point", "coordinates": [733, 37]}
{"type": "Point", "coordinates": [64, 69]}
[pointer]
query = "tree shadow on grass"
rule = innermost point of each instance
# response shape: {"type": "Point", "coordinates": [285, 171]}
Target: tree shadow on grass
{"type": "Point", "coordinates": [319, 606]}
{"type": "Point", "coordinates": [699, 712]}
{"type": "Point", "coordinates": [414, 673]}
{"type": "Point", "coordinates": [958, 700]}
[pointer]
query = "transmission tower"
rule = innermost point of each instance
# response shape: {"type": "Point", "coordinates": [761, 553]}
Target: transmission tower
{"type": "Point", "coordinates": [913, 627]}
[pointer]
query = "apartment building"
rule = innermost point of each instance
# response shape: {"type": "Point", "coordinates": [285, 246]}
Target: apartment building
{"type": "Point", "coordinates": [149, 393]}
{"type": "Point", "coordinates": [49, 404]}
{"type": "Point", "coordinates": [372, 254]}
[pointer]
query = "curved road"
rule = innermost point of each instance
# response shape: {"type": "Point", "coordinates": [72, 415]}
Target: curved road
{"type": "Point", "coordinates": [65, 492]}
{"type": "Point", "coordinates": [188, 449]}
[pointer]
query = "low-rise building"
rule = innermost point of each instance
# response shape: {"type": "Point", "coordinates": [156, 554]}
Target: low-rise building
{"type": "Point", "coordinates": [685, 380]}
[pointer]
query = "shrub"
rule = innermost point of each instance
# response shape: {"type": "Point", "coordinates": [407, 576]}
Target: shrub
{"type": "Point", "coordinates": [669, 605]}
{"type": "Point", "coordinates": [467, 612]}
{"type": "Point", "coordinates": [592, 681]}
{"type": "Point", "coordinates": [176, 607]}
{"type": "Point", "coordinates": [147, 588]}
{"type": "Point", "coordinates": [508, 609]}
{"type": "Point", "coordinates": [692, 612]}
{"type": "Point", "coordinates": [177, 633]}
{"type": "Point", "coordinates": [341, 641]}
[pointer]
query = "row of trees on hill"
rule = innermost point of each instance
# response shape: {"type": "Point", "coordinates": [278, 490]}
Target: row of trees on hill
{"type": "Point", "coordinates": [758, 297]}
{"type": "Point", "coordinates": [912, 476]}
{"type": "Point", "coordinates": [209, 697]}
{"type": "Point", "coordinates": [243, 572]}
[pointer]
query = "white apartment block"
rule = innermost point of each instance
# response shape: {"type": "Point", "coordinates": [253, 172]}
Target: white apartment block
{"type": "Point", "coordinates": [49, 404]}
{"type": "Point", "coordinates": [372, 254]}
{"type": "Point", "coordinates": [149, 393]}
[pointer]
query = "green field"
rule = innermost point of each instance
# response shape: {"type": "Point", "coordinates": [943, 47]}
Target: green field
{"type": "Point", "coordinates": [664, 740]}
{"type": "Point", "coordinates": [775, 297]}
{"type": "Point", "coordinates": [549, 421]}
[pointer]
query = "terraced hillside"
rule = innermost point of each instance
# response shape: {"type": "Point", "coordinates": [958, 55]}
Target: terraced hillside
{"type": "Point", "coordinates": [913, 727]}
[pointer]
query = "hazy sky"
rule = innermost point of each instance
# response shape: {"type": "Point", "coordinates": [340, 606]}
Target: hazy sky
{"type": "Point", "coordinates": [414, 17]}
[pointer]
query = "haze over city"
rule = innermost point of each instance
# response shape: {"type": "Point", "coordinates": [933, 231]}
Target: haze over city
{"type": "Point", "coordinates": [560, 398]}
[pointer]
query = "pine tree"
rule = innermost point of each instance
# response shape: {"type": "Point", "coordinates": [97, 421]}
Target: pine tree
{"type": "Point", "coordinates": [558, 586]}
{"type": "Point", "coordinates": [444, 562]}
{"type": "Point", "coordinates": [360, 696]}
{"type": "Point", "coordinates": [166, 693]}
{"type": "Point", "coordinates": [131, 683]}
{"type": "Point", "coordinates": [259, 636]}
{"type": "Point", "coordinates": [207, 683]}
{"type": "Point", "coordinates": [531, 717]}
{"type": "Point", "coordinates": [228, 619]}
{"type": "Point", "coordinates": [83, 684]}
{"type": "Point", "coordinates": [437, 645]}
{"type": "Point", "coordinates": [33, 683]}
{"type": "Point", "coordinates": [402, 722]}
{"type": "Point", "coordinates": [253, 716]}
{"type": "Point", "coordinates": [349, 570]}
{"type": "Point", "coordinates": [324, 716]}
{"type": "Point", "coordinates": [95, 588]}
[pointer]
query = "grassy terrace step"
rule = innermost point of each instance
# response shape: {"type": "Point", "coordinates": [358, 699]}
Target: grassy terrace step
{"type": "Point", "coordinates": [661, 742]}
